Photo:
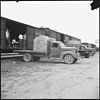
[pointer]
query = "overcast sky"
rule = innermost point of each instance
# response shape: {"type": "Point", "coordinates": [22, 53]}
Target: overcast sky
{"type": "Point", "coordinates": [69, 17]}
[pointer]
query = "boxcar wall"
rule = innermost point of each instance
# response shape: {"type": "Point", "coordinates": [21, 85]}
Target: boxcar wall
{"type": "Point", "coordinates": [54, 34]}
{"type": "Point", "coordinates": [2, 34]}
{"type": "Point", "coordinates": [48, 32]}
{"type": "Point", "coordinates": [30, 36]}
{"type": "Point", "coordinates": [43, 31]}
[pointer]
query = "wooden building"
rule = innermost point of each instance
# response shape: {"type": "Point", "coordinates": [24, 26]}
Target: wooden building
{"type": "Point", "coordinates": [16, 28]}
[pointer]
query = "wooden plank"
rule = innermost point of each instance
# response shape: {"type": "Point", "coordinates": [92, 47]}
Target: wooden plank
{"type": "Point", "coordinates": [3, 54]}
{"type": "Point", "coordinates": [11, 56]}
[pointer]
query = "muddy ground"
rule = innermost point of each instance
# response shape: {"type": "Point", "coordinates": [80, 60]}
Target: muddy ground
{"type": "Point", "coordinates": [50, 78]}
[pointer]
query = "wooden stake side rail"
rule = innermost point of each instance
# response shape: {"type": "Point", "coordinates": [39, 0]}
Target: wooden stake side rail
{"type": "Point", "coordinates": [11, 56]}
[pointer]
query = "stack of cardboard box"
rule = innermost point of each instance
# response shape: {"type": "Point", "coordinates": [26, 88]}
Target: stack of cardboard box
{"type": "Point", "coordinates": [41, 43]}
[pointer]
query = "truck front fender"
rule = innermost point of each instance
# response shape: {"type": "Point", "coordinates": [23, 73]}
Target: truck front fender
{"type": "Point", "coordinates": [68, 52]}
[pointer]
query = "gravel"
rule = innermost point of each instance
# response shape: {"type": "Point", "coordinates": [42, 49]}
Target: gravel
{"type": "Point", "coordinates": [50, 78]}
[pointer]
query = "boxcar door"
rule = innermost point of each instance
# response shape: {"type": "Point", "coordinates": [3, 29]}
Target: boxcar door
{"type": "Point", "coordinates": [30, 35]}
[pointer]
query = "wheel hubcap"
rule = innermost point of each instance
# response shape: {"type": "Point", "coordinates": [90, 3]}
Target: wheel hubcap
{"type": "Point", "coordinates": [69, 59]}
{"type": "Point", "coordinates": [27, 57]}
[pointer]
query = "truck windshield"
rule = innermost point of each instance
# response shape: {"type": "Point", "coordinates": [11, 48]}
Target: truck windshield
{"type": "Point", "coordinates": [61, 44]}
{"type": "Point", "coordinates": [83, 47]}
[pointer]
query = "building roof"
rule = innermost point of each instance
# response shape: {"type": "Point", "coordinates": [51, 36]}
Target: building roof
{"type": "Point", "coordinates": [45, 28]}
{"type": "Point", "coordinates": [16, 21]}
{"type": "Point", "coordinates": [88, 43]}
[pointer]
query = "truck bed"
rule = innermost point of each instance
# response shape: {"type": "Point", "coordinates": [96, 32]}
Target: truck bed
{"type": "Point", "coordinates": [30, 51]}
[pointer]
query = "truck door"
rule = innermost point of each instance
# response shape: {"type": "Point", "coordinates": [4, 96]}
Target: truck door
{"type": "Point", "coordinates": [54, 50]}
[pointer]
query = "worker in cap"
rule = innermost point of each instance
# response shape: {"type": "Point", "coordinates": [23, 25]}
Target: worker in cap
{"type": "Point", "coordinates": [24, 41]}
{"type": "Point", "coordinates": [20, 40]}
{"type": "Point", "coordinates": [8, 37]}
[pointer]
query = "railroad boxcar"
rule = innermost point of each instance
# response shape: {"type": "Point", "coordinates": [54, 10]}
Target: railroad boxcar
{"type": "Point", "coordinates": [15, 28]}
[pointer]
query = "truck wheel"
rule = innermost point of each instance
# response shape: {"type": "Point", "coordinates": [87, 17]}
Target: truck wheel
{"type": "Point", "coordinates": [27, 57]}
{"type": "Point", "coordinates": [87, 56]}
{"type": "Point", "coordinates": [69, 59]}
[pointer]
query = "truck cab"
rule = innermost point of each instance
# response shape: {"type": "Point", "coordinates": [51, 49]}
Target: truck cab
{"type": "Point", "coordinates": [84, 51]}
{"type": "Point", "coordinates": [91, 51]}
{"type": "Point", "coordinates": [59, 50]}
{"type": "Point", "coordinates": [57, 47]}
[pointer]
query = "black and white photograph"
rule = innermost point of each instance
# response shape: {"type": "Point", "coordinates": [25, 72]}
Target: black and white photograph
{"type": "Point", "coordinates": [49, 50]}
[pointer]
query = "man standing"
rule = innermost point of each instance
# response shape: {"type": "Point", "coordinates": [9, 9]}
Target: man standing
{"type": "Point", "coordinates": [20, 40]}
{"type": "Point", "coordinates": [14, 43]}
{"type": "Point", "coordinates": [24, 41]}
{"type": "Point", "coordinates": [8, 37]}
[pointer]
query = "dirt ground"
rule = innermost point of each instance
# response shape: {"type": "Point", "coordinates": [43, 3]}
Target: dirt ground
{"type": "Point", "coordinates": [50, 78]}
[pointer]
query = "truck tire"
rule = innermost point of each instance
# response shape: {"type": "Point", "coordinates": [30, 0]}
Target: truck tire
{"type": "Point", "coordinates": [27, 57]}
{"type": "Point", "coordinates": [87, 55]}
{"type": "Point", "coordinates": [69, 59]}
{"type": "Point", "coordinates": [36, 58]}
